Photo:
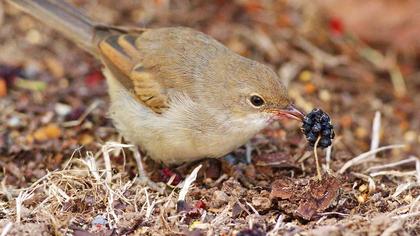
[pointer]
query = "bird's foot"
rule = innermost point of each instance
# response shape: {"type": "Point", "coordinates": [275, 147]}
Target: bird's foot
{"type": "Point", "coordinates": [240, 169]}
{"type": "Point", "coordinates": [155, 186]}
{"type": "Point", "coordinates": [143, 179]}
{"type": "Point", "coordinates": [245, 174]}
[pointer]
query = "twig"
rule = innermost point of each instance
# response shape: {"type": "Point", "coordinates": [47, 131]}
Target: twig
{"type": "Point", "coordinates": [108, 168]}
{"type": "Point", "coordinates": [59, 194]}
{"type": "Point", "coordinates": [6, 229]}
{"type": "Point", "coordinates": [71, 157]}
{"type": "Point", "coordinates": [321, 219]}
{"type": "Point", "coordinates": [92, 167]}
{"type": "Point", "coordinates": [219, 180]}
{"type": "Point", "coordinates": [187, 183]}
{"type": "Point", "coordinates": [5, 191]}
{"type": "Point", "coordinates": [23, 196]}
{"type": "Point", "coordinates": [392, 228]}
{"type": "Point", "coordinates": [397, 80]}
{"type": "Point", "coordinates": [393, 164]}
{"type": "Point", "coordinates": [362, 157]}
{"type": "Point", "coordinates": [248, 151]}
{"type": "Point", "coordinates": [318, 168]}
{"type": "Point", "coordinates": [408, 215]}
{"type": "Point", "coordinates": [305, 156]}
{"type": "Point", "coordinates": [414, 204]}
{"type": "Point", "coordinates": [277, 227]}
{"type": "Point", "coordinates": [376, 131]}
{"type": "Point", "coordinates": [110, 206]}
{"type": "Point", "coordinates": [106, 149]}
{"type": "Point", "coordinates": [394, 173]}
{"type": "Point", "coordinates": [332, 213]}
{"type": "Point", "coordinates": [418, 170]}
{"type": "Point", "coordinates": [221, 217]}
{"type": "Point", "coordinates": [79, 121]}
{"type": "Point", "coordinates": [150, 207]}
{"type": "Point", "coordinates": [328, 158]}
{"type": "Point", "coordinates": [402, 187]}
{"type": "Point", "coordinates": [253, 209]}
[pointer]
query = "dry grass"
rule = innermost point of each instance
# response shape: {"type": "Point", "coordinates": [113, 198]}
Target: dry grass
{"type": "Point", "coordinates": [86, 188]}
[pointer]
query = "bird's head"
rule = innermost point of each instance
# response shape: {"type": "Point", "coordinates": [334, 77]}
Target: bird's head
{"type": "Point", "coordinates": [253, 90]}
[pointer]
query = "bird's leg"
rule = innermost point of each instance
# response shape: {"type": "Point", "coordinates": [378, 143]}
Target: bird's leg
{"type": "Point", "coordinates": [143, 178]}
{"type": "Point", "coordinates": [240, 169]}
{"type": "Point", "coordinates": [243, 172]}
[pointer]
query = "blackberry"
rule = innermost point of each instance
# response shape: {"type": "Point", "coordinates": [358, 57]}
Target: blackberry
{"type": "Point", "coordinates": [325, 142]}
{"type": "Point", "coordinates": [317, 123]}
{"type": "Point", "coordinates": [311, 137]}
{"type": "Point", "coordinates": [316, 128]}
{"type": "Point", "coordinates": [307, 120]}
{"type": "Point", "coordinates": [326, 132]}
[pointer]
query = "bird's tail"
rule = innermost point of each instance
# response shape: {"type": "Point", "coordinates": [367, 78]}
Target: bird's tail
{"type": "Point", "coordinates": [64, 18]}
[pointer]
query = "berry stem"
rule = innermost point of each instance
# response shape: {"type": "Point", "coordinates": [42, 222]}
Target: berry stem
{"type": "Point", "coordinates": [318, 168]}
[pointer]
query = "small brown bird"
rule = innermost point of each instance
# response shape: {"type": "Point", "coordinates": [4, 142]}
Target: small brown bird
{"type": "Point", "coordinates": [177, 93]}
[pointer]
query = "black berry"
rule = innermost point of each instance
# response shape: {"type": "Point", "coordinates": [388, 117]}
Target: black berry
{"type": "Point", "coordinates": [325, 118]}
{"type": "Point", "coordinates": [318, 124]}
{"type": "Point", "coordinates": [316, 128]}
{"type": "Point", "coordinates": [325, 142]}
{"type": "Point", "coordinates": [326, 132]}
{"type": "Point", "coordinates": [311, 137]}
{"type": "Point", "coordinates": [307, 120]}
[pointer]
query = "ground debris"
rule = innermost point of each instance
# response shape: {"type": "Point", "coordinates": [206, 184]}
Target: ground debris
{"type": "Point", "coordinates": [309, 198]}
{"type": "Point", "coordinates": [277, 159]}
{"type": "Point", "coordinates": [254, 231]}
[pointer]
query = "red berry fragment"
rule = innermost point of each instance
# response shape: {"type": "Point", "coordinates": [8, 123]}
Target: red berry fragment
{"type": "Point", "coordinates": [166, 175]}
{"type": "Point", "coordinates": [200, 204]}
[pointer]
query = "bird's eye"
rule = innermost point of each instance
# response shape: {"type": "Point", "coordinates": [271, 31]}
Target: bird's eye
{"type": "Point", "coordinates": [256, 100]}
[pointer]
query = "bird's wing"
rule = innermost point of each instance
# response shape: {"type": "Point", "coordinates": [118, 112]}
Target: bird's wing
{"type": "Point", "coordinates": [153, 62]}
{"type": "Point", "coordinates": [120, 54]}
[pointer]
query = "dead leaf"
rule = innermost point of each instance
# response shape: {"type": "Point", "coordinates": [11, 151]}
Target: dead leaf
{"type": "Point", "coordinates": [319, 196]}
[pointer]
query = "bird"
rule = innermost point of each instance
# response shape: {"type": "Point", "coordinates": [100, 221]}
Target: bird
{"type": "Point", "coordinates": [176, 93]}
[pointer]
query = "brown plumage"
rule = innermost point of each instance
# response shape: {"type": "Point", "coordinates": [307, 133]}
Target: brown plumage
{"type": "Point", "coordinates": [177, 93]}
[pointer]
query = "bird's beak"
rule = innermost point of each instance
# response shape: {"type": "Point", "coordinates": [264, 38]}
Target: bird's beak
{"type": "Point", "coordinates": [291, 112]}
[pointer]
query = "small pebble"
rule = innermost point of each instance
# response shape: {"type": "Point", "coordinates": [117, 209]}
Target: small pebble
{"type": "Point", "coordinates": [51, 131]}
{"type": "Point", "coordinates": [13, 121]}
{"type": "Point", "coordinates": [261, 203]}
{"type": "Point", "coordinates": [219, 199]}
{"type": "Point", "coordinates": [99, 220]}
{"type": "Point", "coordinates": [410, 136]}
{"type": "Point", "coordinates": [324, 95]}
{"type": "Point", "coordinates": [305, 76]}
{"type": "Point", "coordinates": [34, 37]}
{"type": "Point", "coordinates": [62, 109]}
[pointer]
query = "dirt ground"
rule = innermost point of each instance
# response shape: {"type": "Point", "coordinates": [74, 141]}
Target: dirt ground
{"type": "Point", "coordinates": [66, 171]}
